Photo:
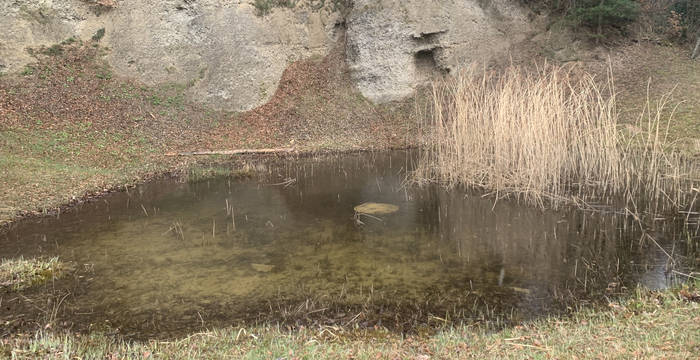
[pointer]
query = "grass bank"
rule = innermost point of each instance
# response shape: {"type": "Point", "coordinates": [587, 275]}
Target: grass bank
{"type": "Point", "coordinates": [70, 128]}
{"type": "Point", "coordinates": [647, 70]}
{"type": "Point", "coordinates": [650, 324]}
{"type": "Point", "coordinates": [20, 273]}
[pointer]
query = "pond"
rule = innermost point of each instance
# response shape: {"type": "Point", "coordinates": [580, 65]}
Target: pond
{"type": "Point", "coordinates": [285, 246]}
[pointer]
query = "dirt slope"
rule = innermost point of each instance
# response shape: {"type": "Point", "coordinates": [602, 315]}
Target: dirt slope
{"type": "Point", "coordinates": [69, 126]}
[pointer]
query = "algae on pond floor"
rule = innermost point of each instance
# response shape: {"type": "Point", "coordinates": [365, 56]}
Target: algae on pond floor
{"type": "Point", "coordinates": [250, 251]}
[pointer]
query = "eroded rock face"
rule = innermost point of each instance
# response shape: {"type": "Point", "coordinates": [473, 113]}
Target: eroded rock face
{"type": "Point", "coordinates": [395, 45]}
{"type": "Point", "coordinates": [29, 23]}
{"type": "Point", "coordinates": [233, 58]}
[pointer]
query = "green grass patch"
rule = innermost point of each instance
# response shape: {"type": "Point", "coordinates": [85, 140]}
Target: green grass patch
{"type": "Point", "coordinates": [99, 34]}
{"type": "Point", "coordinates": [28, 70]}
{"type": "Point", "coordinates": [18, 274]}
{"type": "Point", "coordinates": [46, 168]}
{"type": "Point", "coordinates": [650, 324]}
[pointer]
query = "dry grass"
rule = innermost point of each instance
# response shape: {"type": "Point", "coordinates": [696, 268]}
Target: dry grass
{"type": "Point", "coordinates": [649, 325]}
{"type": "Point", "coordinates": [666, 69]}
{"type": "Point", "coordinates": [551, 135]}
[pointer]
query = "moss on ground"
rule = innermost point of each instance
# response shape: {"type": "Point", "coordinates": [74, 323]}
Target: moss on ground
{"type": "Point", "coordinates": [197, 173]}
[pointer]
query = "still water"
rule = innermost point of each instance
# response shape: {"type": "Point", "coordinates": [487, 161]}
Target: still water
{"type": "Point", "coordinates": [285, 246]}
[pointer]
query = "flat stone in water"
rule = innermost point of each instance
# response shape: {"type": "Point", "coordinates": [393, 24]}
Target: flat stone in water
{"type": "Point", "coordinates": [372, 208]}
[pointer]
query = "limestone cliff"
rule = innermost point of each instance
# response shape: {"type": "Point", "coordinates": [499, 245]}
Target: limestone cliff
{"type": "Point", "coordinates": [394, 45]}
{"type": "Point", "coordinates": [233, 54]}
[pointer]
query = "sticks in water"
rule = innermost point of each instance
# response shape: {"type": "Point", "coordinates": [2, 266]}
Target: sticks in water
{"type": "Point", "coordinates": [229, 212]}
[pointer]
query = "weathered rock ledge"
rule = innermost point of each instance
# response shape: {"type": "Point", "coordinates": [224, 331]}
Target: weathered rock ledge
{"type": "Point", "coordinates": [232, 56]}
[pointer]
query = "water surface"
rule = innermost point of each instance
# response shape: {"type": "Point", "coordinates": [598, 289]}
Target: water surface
{"type": "Point", "coordinates": [285, 246]}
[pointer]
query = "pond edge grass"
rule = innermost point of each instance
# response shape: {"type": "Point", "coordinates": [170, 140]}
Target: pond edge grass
{"type": "Point", "coordinates": [643, 325]}
{"type": "Point", "coordinates": [218, 165]}
{"type": "Point", "coordinates": [17, 274]}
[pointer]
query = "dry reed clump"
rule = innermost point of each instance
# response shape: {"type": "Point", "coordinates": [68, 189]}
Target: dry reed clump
{"type": "Point", "coordinates": [550, 135]}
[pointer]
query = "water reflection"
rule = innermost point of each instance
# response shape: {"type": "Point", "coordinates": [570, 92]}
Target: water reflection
{"type": "Point", "coordinates": [169, 257]}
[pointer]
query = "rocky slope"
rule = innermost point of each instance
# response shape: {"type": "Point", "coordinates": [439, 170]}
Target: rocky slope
{"type": "Point", "coordinates": [231, 53]}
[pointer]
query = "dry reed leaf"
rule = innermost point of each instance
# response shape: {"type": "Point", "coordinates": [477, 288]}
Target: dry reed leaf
{"type": "Point", "coordinates": [551, 136]}
{"type": "Point", "coordinates": [376, 208]}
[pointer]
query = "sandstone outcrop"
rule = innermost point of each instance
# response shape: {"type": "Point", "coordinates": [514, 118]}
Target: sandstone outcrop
{"type": "Point", "coordinates": [232, 56]}
{"type": "Point", "coordinates": [394, 45]}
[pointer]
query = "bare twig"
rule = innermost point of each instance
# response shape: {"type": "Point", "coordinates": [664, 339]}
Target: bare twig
{"type": "Point", "coordinates": [233, 152]}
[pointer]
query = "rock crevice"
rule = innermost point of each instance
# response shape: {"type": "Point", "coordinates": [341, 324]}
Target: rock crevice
{"type": "Point", "coordinates": [399, 45]}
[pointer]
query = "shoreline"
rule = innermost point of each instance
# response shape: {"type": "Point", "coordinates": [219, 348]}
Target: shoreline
{"type": "Point", "coordinates": [179, 172]}
{"type": "Point", "coordinates": [642, 325]}
{"type": "Point", "coordinates": [52, 164]}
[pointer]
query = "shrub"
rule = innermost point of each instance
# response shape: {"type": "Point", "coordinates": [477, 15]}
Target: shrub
{"type": "Point", "coordinates": [670, 19]}
{"type": "Point", "coordinates": [689, 13]}
{"type": "Point", "coordinates": [264, 7]}
{"type": "Point", "coordinates": [53, 50]}
{"type": "Point", "coordinates": [99, 34]}
{"type": "Point", "coordinates": [599, 13]}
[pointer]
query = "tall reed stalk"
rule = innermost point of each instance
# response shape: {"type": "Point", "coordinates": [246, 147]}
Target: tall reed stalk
{"type": "Point", "coordinates": [550, 136]}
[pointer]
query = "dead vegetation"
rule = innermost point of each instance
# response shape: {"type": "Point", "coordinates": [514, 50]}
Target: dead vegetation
{"type": "Point", "coordinates": [651, 324]}
{"type": "Point", "coordinates": [552, 135]}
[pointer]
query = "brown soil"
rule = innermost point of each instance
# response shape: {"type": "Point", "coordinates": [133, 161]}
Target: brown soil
{"type": "Point", "coordinates": [316, 105]}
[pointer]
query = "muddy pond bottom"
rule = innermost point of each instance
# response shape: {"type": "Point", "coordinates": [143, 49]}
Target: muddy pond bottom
{"type": "Point", "coordinates": [286, 246]}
